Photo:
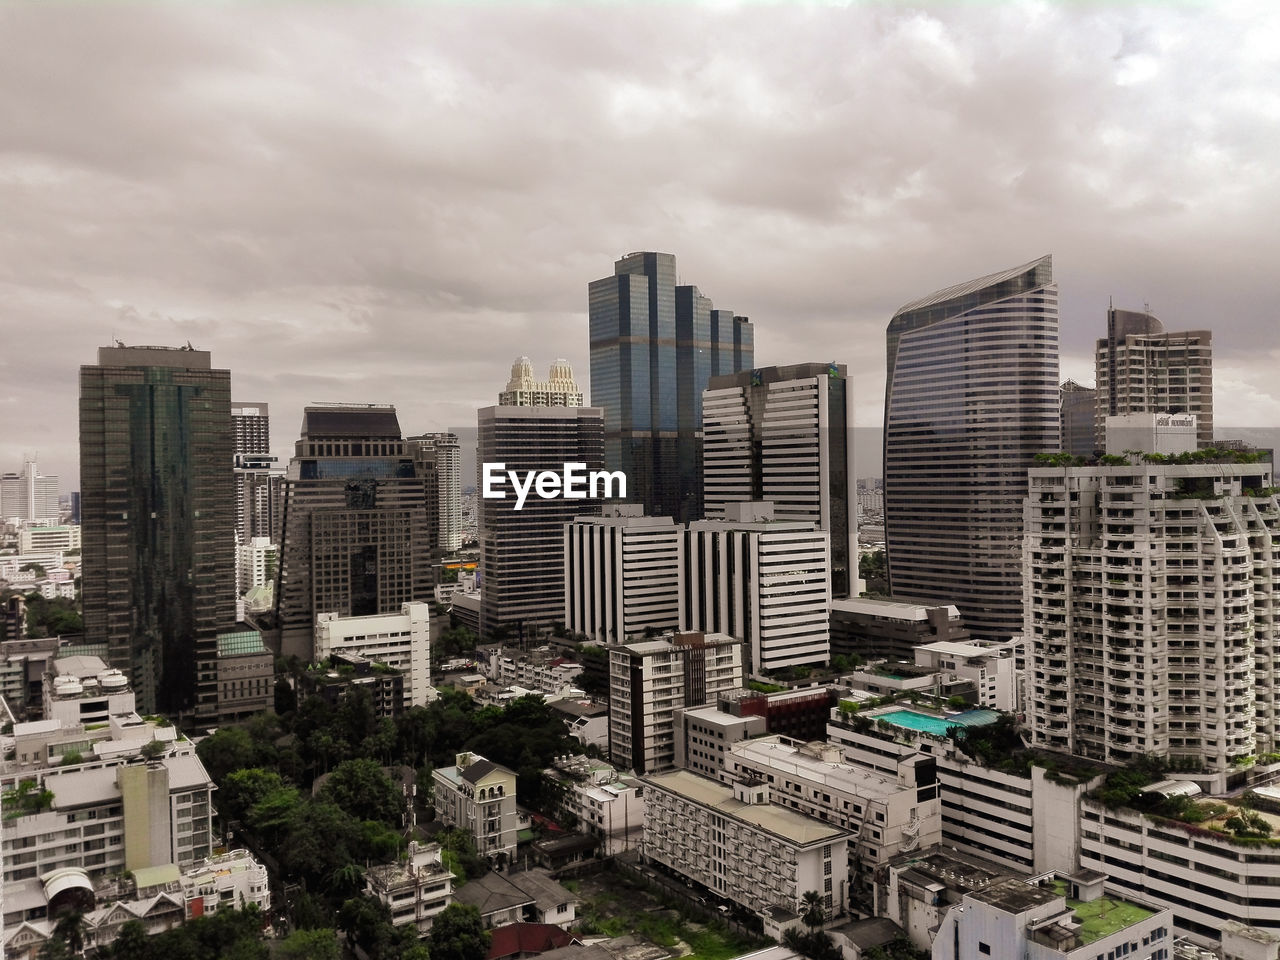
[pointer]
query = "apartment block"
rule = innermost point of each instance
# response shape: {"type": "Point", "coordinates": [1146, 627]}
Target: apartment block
{"type": "Point", "coordinates": [1151, 614]}
{"type": "Point", "coordinates": [607, 803]}
{"type": "Point", "coordinates": [741, 846]}
{"type": "Point", "coordinates": [766, 582]}
{"type": "Point", "coordinates": [622, 574]}
{"type": "Point", "coordinates": [259, 560]}
{"type": "Point", "coordinates": [479, 796]}
{"type": "Point", "coordinates": [704, 736]}
{"type": "Point", "coordinates": [416, 889]}
{"type": "Point", "coordinates": [650, 679]}
{"type": "Point", "coordinates": [400, 640]}
{"type": "Point", "coordinates": [540, 670]}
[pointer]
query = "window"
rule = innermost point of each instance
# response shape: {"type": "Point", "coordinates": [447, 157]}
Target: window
{"type": "Point", "coordinates": [984, 949]}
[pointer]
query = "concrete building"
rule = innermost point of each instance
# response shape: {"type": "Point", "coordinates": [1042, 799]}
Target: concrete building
{"type": "Point", "coordinates": [42, 538]}
{"type": "Point", "coordinates": [1143, 369]}
{"type": "Point", "coordinates": [704, 736]}
{"type": "Point", "coordinates": [245, 675]}
{"type": "Point", "coordinates": [1151, 619]}
{"type": "Point", "coordinates": [522, 563]}
{"type": "Point", "coordinates": [1162, 433]}
{"type": "Point", "coordinates": [1076, 406]}
{"type": "Point", "coordinates": [738, 843]}
{"type": "Point", "coordinates": [259, 559]}
{"type": "Point", "coordinates": [232, 880]}
{"type": "Point", "coordinates": [785, 435]}
{"type": "Point", "coordinates": [655, 344]}
{"type": "Point", "coordinates": [608, 804]}
{"type": "Point", "coordinates": [158, 509]}
{"type": "Point", "coordinates": [800, 713]}
{"type": "Point", "coordinates": [29, 495]}
{"type": "Point", "coordinates": [258, 483]}
{"type": "Point", "coordinates": [400, 640]}
{"type": "Point", "coordinates": [558, 390]}
{"type": "Point", "coordinates": [872, 628]}
{"type": "Point", "coordinates": [622, 574]}
{"type": "Point", "coordinates": [443, 448]}
{"type": "Point", "coordinates": [649, 680]}
{"type": "Point", "coordinates": [540, 670]}
{"type": "Point", "coordinates": [587, 720]}
{"type": "Point", "coordinates": [971, 396]}
{"type": "Point", "coordinates": [341, 673]}
{"type": "Point", "coordinates": [479, 796]}
{"type": "Point", "coordinates": [1052, 919]}
{"type": "Point", "coordinates": [357, 523]}
{"type": "Point", "coordinates": [991, 667]}
{"type": "Point", "coordinates": [885, 815]}
{"type": "Point", "coordinates": [766, 582]}
{"type": "Point", "coordinates": [416, 889]}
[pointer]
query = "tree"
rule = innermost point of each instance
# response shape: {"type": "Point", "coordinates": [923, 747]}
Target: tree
{"type": "Point", "coordinates": [70, 930]}
{"type": "Point", "coordinates": [229, 749]}
{"type": "Point", "coordinates": [242, 789]}
{"type": "Point", "coordinates": [814, 915]}
{"type": "Point", "coordinates": [132, 943]}
{"type": "Point", "coordinates": [458, 933]}
{"type": "Point", "coordinates": [367, 922]}
{"type": "Point", "coordinates": [361, 789]}
{"type": "Point", "coordinates": [286, 698]}
{"type": "Point", "coordinates": [309, 945]}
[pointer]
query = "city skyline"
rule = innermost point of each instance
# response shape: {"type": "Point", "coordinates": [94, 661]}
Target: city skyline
{"type": "Point", "coordinates": [186, 179]}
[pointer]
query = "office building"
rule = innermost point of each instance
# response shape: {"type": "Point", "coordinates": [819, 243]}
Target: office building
{"type": "Point", "coordinates": [650, 679]}
{"type": "Point", "coordinates": [158, 536]}
{"type": "Point", "coordinates": [479, 796]}
{"type": "Point", "coordinates": [655, 344]}
{"type": "Point", "coordinates": [971, 397]}
{"type": "Point", "coordinates": [259, 484]}
{"type": "Point", "coordinates": [29, 495]}
{"type": "Point", "coordinates": [443, 449]}
{"type": "Point", "coordinates": [785, 435]}
{"type": "Point", "coordinates": [740, 843]}
{"type": "Point", "coordinates": [401, 640]}
{"type": "Point", "coordinates": [1143, 369]}
{"type": "Point", "coordinates": [522, 549]}
{"type": "Point", "coordinates": [705, 734]}
{"type": "Point", "coordinates": [872, 628]}
{"type": "Point", "coordinates": [1151, 623]}
{"type": "Point", "coordinates": [764, 581]}
{"type": "Point", "coordinates": [356, 523]}
{"type": "Point", "coordinates": [39, 539]}
{"type": "Point", "coordinates": [622, 574]}
{"type": "Point", "coordinates": [1076, 406]}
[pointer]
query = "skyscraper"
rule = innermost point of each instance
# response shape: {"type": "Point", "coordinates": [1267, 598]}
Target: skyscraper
{"type": "Point", "coordinates": [654, 346]}
{"type": "Point", "coordinates": [258, 483]}
{"type": "Point", "coordinates": [29, 495]}
{"type": "Point", "coordinates": [1142, 369]}
{"type": "Point", "coordinates": [357, 534]}
{"type": "Point", "coordinates": [156, 497]}
{"type": "Point", "coordinates": [442, 449]}
{"type": "Point", "coordinates": [785, 435]}
{"type": "Point", "coordinates": [1076, 409]}
{"type": "Point", "coordinates": [971, 396]}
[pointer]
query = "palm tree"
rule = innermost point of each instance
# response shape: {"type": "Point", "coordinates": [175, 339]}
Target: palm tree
{"type": "Point", "coordinates": [814, 915]}
{"type": "Point", "coordinates": [70, 930]}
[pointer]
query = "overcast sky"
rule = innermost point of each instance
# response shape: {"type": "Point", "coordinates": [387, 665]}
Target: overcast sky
{"type": "Point", "coordinates": [390, 203]}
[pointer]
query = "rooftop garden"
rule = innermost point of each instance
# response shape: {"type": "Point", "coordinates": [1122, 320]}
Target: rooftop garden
{"type": "Point", "coordinates": [1102, 917]}
{"type": "Point", "coordinates": [1134, 457]}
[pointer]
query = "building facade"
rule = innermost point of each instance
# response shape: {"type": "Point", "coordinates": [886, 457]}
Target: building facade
{"type": "Point", "coordinates": [357, 538]}
{"type": "Point", "coordinates": [971, 397]}
{"type": "Point", "coordinates": [622, 574]}
{"type": "Point", "coordinates": [259, 484]}
{"type": "Point", "coordinates": [869, 627]}
{"type": "Point", "coordinates": [1143, 369]}
{"type": "Point", "coordinates": [785, 435]}
{"type": "Point", "coordinates": [522, 550]}
{"type": "Point", "coordinates": [400, 640]}
{"type": "Point", "coordinates": [29, 495]}
{"type": "Point", "coordinates": [655, 344]}
{"type": "Point", "coordinates": [158, 530]}
{"type": "Point", "coordinates": [1077, 403]}
{"type": "Point", "coordinates": [479, 796]}
{"type": "Point", "coordinates": [443, 448]}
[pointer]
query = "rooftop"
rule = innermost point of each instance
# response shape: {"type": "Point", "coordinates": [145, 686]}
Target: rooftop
{"type": "Point", "coordinates": [779, 752]}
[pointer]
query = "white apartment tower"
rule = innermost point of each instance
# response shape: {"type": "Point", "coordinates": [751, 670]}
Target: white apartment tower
{"type": "Point", "coordinates": [400, 640]}
{"type": "Point", "coordinates": [766, 582]}
{"type": "Point", "coordinates": [1150, 611]}
{"type": "Point", "coordinates": [622, 574]}
{"type": "Point", "coordinates": [29, 495]}
{"type": "Point", "coordinates": [558, 390]}
{"type": "Point", "coordinates": [649, 680]}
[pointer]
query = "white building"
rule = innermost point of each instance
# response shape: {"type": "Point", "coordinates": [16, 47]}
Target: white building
{"type": "Point", "coordinates": [650, 679]}
{"type": "Point", "coordinates": [558, 390]}
{"type": "Point", "coordinates": [607, 803]}
{"type": "Point", "coordinates": [737, 843]}
{"type": "Point", "coordinates": [400, 640]}
{"type": "Point", "coordinates": [416, 889]}
{"type": "Point", "coordinates": [46, 538]}
{"type": "Point", "coordinates": [259, 560]}
{"type": "Point", "coordinates": [444, 449]}
{"type": "Point", "coordinates": [231, 880]}
{"type": "Point", "coordinates": [1052, 920]}
{"type": "Point", "coordinates": [704, 736]}
{"type": "Point", "coordinates": [540, 670]}
{"type": "Point", "coordinates": [1151, 610]}
{"type": "Point", "coordinates": [29, 495]}
{"type": "Point", "coordinates": [992, 668]}
{"type": "Point", "coordinates": [479, 796]}
{"type": "Point", "coordinates": [766, 582]}
{"type": "Point", "coordinates": [622, 574]}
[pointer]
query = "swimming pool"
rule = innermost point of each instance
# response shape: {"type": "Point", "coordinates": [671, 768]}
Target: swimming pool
{"type": "Point", "coordinates": [917, 721]}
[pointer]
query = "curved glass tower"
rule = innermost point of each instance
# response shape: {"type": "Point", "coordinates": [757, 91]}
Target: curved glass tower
{"type": "Point", "coordinates": [971, 396]}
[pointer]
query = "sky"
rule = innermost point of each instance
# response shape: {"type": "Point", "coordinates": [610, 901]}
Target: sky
{"type": "Point", "coordinates": [391, 202]}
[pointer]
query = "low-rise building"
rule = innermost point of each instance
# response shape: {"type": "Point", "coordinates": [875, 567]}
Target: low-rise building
{"type": "Point", "coordinates": [705, 734]}
{"type": "Point", "coordinates": [587, 720]}
{"type": "Point", "coordinates": [479, 796]}
{"type": "Point", "coordinates": [39, 538]}
{"type": "Point", "coordinates": [416, 889]}
{"type": "Point", "coordinates": [231, 880]}
{"type": "Point", "coordinates": [343, 672]}
{"type": "Point", "coordinates": [400, 640]}
{"type": "Point", "coordinates": [872, 628]}
{"type": "Point", "coordinates": [800, 713]}
{"type": "Point", "coordinates": [539, 670]}
{"type": "Point", "coordinates": [991, 667]}
{"type": "Point", "coordinates": [607, 803]}
{"type": "Point", "coordinates": [915, 890]}
{"type": "Point", "coordinates": [246, 675]}
{"type": "Point", "coordinates": [743, 847]}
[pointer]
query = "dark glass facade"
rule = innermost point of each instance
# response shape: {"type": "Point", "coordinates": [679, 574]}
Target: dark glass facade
{"type": "Point", "coordinates": [654, 347]}
{"type": "Point", "coordinates": [971, 396]}
{"type": "Point", "coordinates": [158, 521]}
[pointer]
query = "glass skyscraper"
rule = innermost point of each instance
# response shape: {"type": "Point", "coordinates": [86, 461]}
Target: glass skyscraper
{"type": "Point", "coordinates": [971, 396]}
{"type": "Point", "coordinates": [158, 520]}
{"type": "Point", "coordinates": [655, 344]}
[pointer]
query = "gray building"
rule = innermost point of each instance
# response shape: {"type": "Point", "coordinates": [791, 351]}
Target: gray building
{"type": "Point", "coordinates": [259, 484]}
{"type": "Point", "coordinates": [871, 628]}
{"type": "Point", "coordinates": [655, 344]}
{"type": "Point", "coordinates": [971, 396]}
{"type": "Point", "coordinates": [1076, 406]}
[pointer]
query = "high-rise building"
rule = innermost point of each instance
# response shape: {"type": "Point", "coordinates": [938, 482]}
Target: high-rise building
{"type": "Point", "coordinates": [655, 344]}
{"type": "Point", "coordinates": [971, 397]}
{"type": "Point", "coordinates": [357, 534]}
{"type": "Point", "coordinates": [522, 544]}
{"type": "Point", "coordinates": [1150, 614]}
{"type": "Point", "coordinates": [157, 502]}
{"type": "Point", "coordinates": [1076, 407]}
{"type": "Point", "coordinates": [442, 450]}
{"type": "Point", "coordinates": [29, 495]}
{"type": "Point", "coordinates": [622, 574]}
{"type": "Point", "coordinates": [1143, 369]}
{"type": "Point", "coordinates": [763, 581]}
{"type": "Point", "coordinates": [785, 435]}
{"type": "Point", "coordinates": [650, 679]}
{"type": "Point", "coordinates": [558, 390]}
{"type": "Point", "coordinates": [259, 484]}
{"type": "Point", "coordinates": [251, 428]}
